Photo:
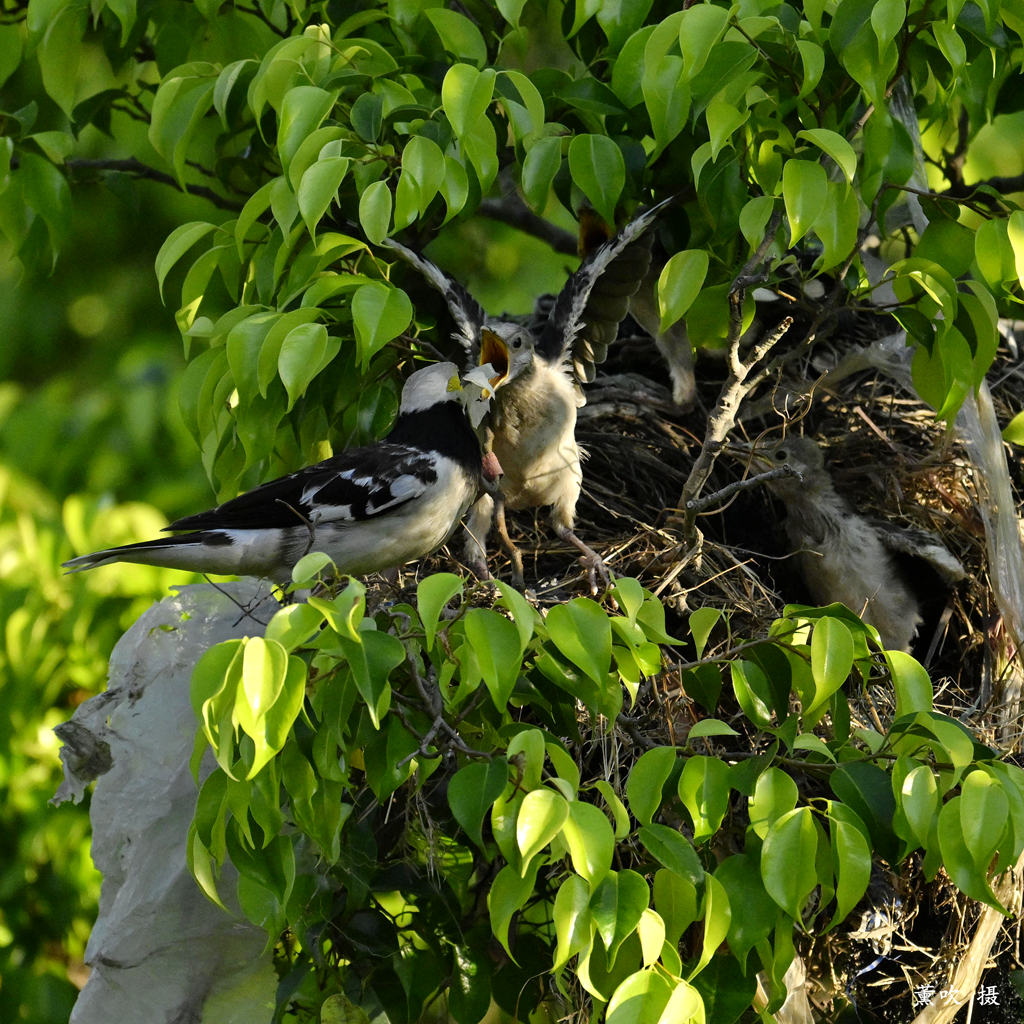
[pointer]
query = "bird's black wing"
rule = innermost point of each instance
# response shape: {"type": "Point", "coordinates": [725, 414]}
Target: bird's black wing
{"type": "Point", "coordinates": [467, 313]}
{"type": "Point", "coordinates": [355, 485]}
{"type": "Point", "coordinates": [561, 330]}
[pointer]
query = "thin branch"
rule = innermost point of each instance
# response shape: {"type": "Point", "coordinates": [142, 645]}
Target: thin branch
{"type": "Point", "coordinates": [513, 211]}
{"type": "Point", "coordinates": [700, 504]}
{"type": "Point", "coordinates": [141, 170]}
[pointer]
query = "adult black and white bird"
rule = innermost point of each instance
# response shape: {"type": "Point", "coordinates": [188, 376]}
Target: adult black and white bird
{"type": "Point", "coordinates": [369, 508]}
{"type": "Point", "coordinates": [539, 366]}
{"type": "Point", "coordinates": [847, 557]}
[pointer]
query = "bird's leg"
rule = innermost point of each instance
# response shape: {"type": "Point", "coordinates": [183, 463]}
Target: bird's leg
{"type": "Point", "coordinates": [517, 559]}
{"type": "Point", "coordinates": [591, 560]}
{"type": "Point", "coordinates": [478, 525]}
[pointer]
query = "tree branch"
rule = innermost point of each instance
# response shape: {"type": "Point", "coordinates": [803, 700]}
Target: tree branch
{"type": "Point", "coordinates": [141, 170]}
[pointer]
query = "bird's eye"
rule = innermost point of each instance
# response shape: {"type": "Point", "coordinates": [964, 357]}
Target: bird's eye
{"type": "Point", "coordinates": [781, 455]}
{"type": "Point", "coordinates": [517, 342]}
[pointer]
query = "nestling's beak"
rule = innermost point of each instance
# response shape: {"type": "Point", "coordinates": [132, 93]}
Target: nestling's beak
{"type": "Point", "coordinates": [494, 351]}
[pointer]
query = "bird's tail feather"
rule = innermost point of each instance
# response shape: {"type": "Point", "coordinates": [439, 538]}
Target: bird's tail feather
{"type": "Point", "coordinates": [148, 552]}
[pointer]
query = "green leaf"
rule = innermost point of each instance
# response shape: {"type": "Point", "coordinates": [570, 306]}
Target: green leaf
{"type": "Point", "coordinates": [717, 917]}
{"type": "Point", "coordinates": [959, 861]}
{"type": "Point", "coordinates": [480, 144]}
{"type": "Point", "coordinates": [1015, 235]}
{"type": "Point", "coordinates": [837, 226]}
{"type": "Point", "coordinates": [788, 858]}
{"type": "Point", "coordinates": [572, 919]}
{"type": "Point", "coordinates": [997, 257]}
{"type": "Point", "coordinates": [867, 789]}
{"type": "Point", "coordinates": [700, 28]}
{"type": "Point", "coordinates": [510, 10]}
{"type": "Point", "coordinates": [541, 165]}
{"type": "Point", "coordinates": [741, 879]}
{"type": "Point", "coordinates": [676, 900]}
{"type": "Point", "coordinates": [375, 211]}
{"type": "Point", "coordinates": [673, 850]}
{"type": "Point", "coordinates": [834, 145]}
{"type": "Point", "coordinates": [541, 816]}
{"type": "Point", "coordinates": [264, 666]}
{"type": "Point", "coordinates": [984, 813]}
{"type": "Point", "coordinates": [649, 997]}
{"type": "Point", "coordinates": [887, 18]}
{"type": "Point", "coordinates": [851, 859]}
{"type": "Point", "coordinates": [680, 283]}
{"type": "Point", "coordinates": [704, 788]}
{"type": "Point", "coordinates": [319, 188]}
{"type": "Point", "coordinates": [590, 839]}
{"type": "Point", "coordinates": [581, 631]}
{"type": "Point", "coordinates": [302, 111]}
{"type": "Point", "coordinates": [831, 659]}
{"type": "Point", "coordinates": [805, 192]}
{"type": "Point", "coordinates": [618, 809]}
{"type": "Point", "coordinates": [911, 682]}
{"type": "Point", "coordinates": [812, 60]}
{"type": "Point", "coordinates": [617, 906]}
{"type": "Point", "coordinates": [372, 656]}
{"type": "Point", "coordinates": [751, 689]}
{"type": "Point", "coordinates": [459, 36]}
{"type": "Point", "coordinates": [919, 801]}
{"type": "Point", "coordinates": [181, 102]}
{"type": "Point", "coordinates": [305, 351]}
{"type": "Point", "coordinates": [754, 219]}
{"type": "Point", "coordinates": [379, 314]}
{"type": "Point", "coordinates": [294, 625]}
{"type": "Point", "coordinates": [775, 794]}
{"type": "Point", "coordinates": [950, 43]}
{"type": "Point", "coordinates": [507, 895]}
{"type": "Point", "coordinates": [599, 169]}
{"type": "Point", "coordinates": [495, 643]}
{"type": "Point", "coordinates": [1013, 432]}
{"type": "Point", "coordinates": [710, 727]}
{"type": "Point", "coordinates": [465, 95]}
{"type": "Point", "coordinates": [432, 594]}
{"type": "Point", "coordinates": [367, 116]}
{"type": "Point", "coordinates": [177, 243]}
{"type": "Point", "coordinates": [646, 780]}
{"type": "Point", "coordinates": [473, 791]}
{"type": "Point", "coordinates": [454, 187]}
{"type": "Point", "coordinates": [423, 172]}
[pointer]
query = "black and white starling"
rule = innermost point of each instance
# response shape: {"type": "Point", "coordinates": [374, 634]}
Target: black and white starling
{"type": "Point", "coordinates": [539, 366]}
{"type": "Point", "coordinates": [846, 557]}
{"type": "Point", "coordinates": [369, 508]}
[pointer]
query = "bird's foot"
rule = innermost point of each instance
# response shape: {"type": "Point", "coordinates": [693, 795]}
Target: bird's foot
{"type": "Point", "coordinates": [590, 560]}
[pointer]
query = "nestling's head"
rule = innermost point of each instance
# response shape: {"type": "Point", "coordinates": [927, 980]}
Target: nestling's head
{"type": "Point", "coordinates": [508, 347]}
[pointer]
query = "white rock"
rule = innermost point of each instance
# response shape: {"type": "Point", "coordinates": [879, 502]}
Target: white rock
{"type": "Point", "coordinates": [160, 950]}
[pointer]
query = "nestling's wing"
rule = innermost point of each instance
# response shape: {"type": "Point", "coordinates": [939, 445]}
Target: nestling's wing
{"type": "Point", "coordinates": [561, 331]}
{"type": "Point", "coordinates": [923, 545]}
{"type": "Point", "coordinates": [467, 313]}
{"type": "Point", "coordinates": [355, 485]}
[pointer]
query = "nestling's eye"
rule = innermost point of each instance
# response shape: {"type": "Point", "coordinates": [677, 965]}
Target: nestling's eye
{"type": "Point", "coordinates": [781, 455]}
{"type": "Point", "coordinates": [517, 342]}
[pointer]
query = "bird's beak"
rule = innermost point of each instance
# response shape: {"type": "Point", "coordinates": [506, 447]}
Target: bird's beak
{"type": "Point", "coordinates": [454, 384]}
{"type": "Point", "coordinates": [494, 351]}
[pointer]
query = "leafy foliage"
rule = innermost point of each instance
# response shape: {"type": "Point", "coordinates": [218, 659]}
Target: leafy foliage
{"type": "Point", "coordinates": [382, 778]}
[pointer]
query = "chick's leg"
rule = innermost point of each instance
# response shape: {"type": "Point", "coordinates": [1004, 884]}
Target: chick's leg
{"type": "Point", "coordinates": [590, 560]}
{"type": "Point", "coordinates": [514, 553]}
